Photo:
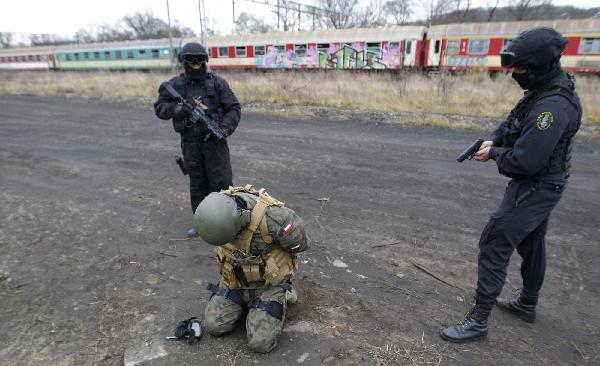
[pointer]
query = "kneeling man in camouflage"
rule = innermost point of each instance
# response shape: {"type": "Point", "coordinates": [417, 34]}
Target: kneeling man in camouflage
{"type": "Point", "coordinates": [258, 239]}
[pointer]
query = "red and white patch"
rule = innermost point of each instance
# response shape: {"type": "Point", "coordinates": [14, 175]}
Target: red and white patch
{"type": "Point", "coordinates": [288, 229]}
{"type": "Point", "coordinates": [296, 248]}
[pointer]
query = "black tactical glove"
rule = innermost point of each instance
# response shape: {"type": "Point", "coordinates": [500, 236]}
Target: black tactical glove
{"type": "Point", "coordinates": [179, 111]}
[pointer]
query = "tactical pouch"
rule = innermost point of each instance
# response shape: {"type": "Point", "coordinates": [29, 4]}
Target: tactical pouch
{"type": "Point", "coordinates": [280, 265]}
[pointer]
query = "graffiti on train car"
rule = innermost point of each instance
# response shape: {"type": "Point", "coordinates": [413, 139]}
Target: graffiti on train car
{"type": "Point", "coordinates": [354, 56]}
{"type": "Point", "coordinates": [464, 61]}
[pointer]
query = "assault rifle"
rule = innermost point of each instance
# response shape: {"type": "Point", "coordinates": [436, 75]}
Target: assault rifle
{"type": "Point", "coordinates": [198, 116]}
{"type": "Point", "coordinates": [470, 151]}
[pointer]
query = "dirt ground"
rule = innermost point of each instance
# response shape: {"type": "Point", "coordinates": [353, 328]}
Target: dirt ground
{"type": "Point", "coordinates": [93, 265]}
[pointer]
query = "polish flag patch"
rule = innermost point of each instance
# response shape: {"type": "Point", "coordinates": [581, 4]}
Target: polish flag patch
{"type": "Point", "coordinates": [288, 229]}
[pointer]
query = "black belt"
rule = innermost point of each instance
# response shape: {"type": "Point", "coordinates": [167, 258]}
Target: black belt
{"type": "Point", "coordinates": [272, 308]}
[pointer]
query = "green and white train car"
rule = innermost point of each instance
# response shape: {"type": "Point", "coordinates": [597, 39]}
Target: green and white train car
{"type": "Point", "coordinates": [131, 55]}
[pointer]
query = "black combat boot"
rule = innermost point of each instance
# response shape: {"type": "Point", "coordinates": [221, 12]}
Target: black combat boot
{"type": "Point", "coordinates": [523, 306]}
{"type": "Point", "coordinates": [473, 328]}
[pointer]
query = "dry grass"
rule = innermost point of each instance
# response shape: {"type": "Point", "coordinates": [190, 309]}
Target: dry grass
{"type": "Point", "coordinates": [413, 353]}
{"type": "Point", "coordinates": [474, 94]}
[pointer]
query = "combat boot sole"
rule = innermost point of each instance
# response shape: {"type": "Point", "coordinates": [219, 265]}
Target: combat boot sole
{"type": "Point", "coordinates": [477, 338]}
{"type": "Point", "coordinates": [508, 307]}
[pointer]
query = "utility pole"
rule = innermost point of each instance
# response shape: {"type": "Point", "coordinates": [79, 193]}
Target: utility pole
{"type": "Point", "coordinates": [278, 6]}
{"type": "Point", "coordinates": [233, 8]}
{"type": "Point", "coordinates": [170, 39]}
{"type": "Point", "coordinates": [202, 13]}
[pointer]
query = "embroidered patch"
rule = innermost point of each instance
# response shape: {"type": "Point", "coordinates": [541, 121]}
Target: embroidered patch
{"type": "Point", "coordinates": [544, 121]}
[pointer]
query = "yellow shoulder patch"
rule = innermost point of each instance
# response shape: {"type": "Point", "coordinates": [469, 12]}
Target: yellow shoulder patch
{"type": "Point", "coordinates": [544, 121]}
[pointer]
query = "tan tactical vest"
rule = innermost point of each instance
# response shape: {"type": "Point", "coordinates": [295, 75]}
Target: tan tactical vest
{"type": "Point", "coordinates": [278, 264]}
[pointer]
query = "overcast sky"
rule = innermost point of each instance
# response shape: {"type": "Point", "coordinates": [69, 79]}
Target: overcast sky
{"type": "Point", "coordinates": [65, 17]}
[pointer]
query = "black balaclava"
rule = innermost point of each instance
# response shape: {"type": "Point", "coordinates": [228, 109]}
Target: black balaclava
{"type": "Point", "coordinates": [194, 53]}
{"type": "Point", "coordinates": [536, 52]}
{"type": "Point", "coordinates": [537, 76]}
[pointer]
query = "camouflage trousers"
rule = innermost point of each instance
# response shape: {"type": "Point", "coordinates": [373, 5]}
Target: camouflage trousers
{"type": "Point", "coordinates": [262, 329]}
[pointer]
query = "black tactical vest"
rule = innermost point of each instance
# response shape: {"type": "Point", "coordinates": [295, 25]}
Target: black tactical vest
{"type": "Point", "coordinates": [204, 91]}
{"type": "Point", "coordinates": [560, 160]}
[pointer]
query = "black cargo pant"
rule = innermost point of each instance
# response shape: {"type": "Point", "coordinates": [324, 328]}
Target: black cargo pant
{"type": "Point", "coordinates": [208, 165]}
{"type": "Point", "coordinates": [519, 223]}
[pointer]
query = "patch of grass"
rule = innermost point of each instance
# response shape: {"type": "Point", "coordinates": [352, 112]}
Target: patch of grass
{"type": "Point", "coordinates": [471, 94]}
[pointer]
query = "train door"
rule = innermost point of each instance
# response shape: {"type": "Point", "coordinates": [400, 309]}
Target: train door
{"type": "Point", "coordinates": [410, 52]}
{"type": "Point", "coordinates": [51, 59]}
{"type": "Point", "coordinates": [435, 51]}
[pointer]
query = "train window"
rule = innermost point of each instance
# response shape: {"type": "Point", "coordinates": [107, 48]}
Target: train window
{"type": "Point", "coordinates": [223, 51]}
{"type": "Point", "coordinates": [118, 55]}
{"type": "Point", "coordinates": [436, 48]}
{"type": "Point", "coordinates": [452, 46]}
{"type": "Point", "coordinates": [30, 57]}
{"type": "Point", "coordinates": [130, 55]}
{"type": "Point", "coordinates": [374, 46]}
{"type": "Point", "coordinates": [142, 53]}
{"type": "Point", "coordinates": [87, 55]}
{"type": "Point", "coordinates": [67, 57]}
{"type": "Point", "coordinates": [589, 45]}
{"type": "Point", "coordinates": [259, 50]}
{"type": "Point", "coordinates": [394, 45]}
{"type": "Point", "coordinates": [506, 42]}
{"type": "Point", "coordinates": [107, 55]}
{"type": "Point", "coordinates": [279, 49]}
{"type": "Point", "coordinates": [408, 47]}
{"type": "Point", "coordinates": [155, 54]}
{"type": "Point", "coordinates": [479, 46]}
{"type": "Point", "coordinates": [300, 50]}
{"type": "Point", "coordinates": [96, 55]}
{"type": "Point", "coordinates": [323, 47]}
{"type": "Point", "coordinates": [240, 51]}
{"type": "Point", "coordinates": [38, 58]}
{"type": "Point", "coordinates": [76, 55]}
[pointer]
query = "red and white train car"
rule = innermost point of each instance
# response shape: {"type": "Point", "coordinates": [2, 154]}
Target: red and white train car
{"type": "Point", "coordinates": [358, 48]}
{"type": "Point", "coordinates": [31, 58]}
{"type": "Point", "coordinates": [478, 45]}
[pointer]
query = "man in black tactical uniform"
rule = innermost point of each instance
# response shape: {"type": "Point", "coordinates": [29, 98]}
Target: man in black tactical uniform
{"type": "Point", "coordinates": [206, 158]}
{"type": "Point", "coordinates": [533, 147]}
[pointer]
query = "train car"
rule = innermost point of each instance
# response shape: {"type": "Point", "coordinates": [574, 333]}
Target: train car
{"type": "Point", "coordinates": [359, 48]}
{"type": "Point", "coordinates": [454, 47]}
{"type": "Point", "coordinates": [129, 55]}
{"type": "Point", "coordinates": [29, 58]}
{"type": "Point", "coordinates": [478, 45]}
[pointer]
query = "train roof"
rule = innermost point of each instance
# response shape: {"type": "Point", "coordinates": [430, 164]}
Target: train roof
{"type": "Point", "coordinates": [322, 36]}
{"type": "Point", "coordinates": [512, 29]}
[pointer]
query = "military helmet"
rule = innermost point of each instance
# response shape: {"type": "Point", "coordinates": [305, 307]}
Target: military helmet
{"type": "Point", "coordinates": [193, 52]}
{"type": "Point", "coordinates": [534, 47]}
{"type": "Point", "coordinates": [219, 218]}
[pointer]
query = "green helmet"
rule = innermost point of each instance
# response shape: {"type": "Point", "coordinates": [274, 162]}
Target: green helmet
{"type": "Point", "coordinates": [219, 219]}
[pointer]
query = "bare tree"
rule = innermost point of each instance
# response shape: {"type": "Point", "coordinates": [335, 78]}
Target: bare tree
{"type": "Point", "coordinates": [491, 6]}
{"type": "Point", "coordinates": [145, 26]}
{"type": "Point", "coordinates": [6, 39]}
{"type": "Point", "coordinates": [461, 8]}
{"type": "Point", "coordinates": [249, 24]}
{"type": "Point", "coordinates": [339, 12]}
{"type": "Point", "coordinates": [526, 9]}
{"type": "Point", "coordinates": [436, 10]}
{"type": "Point", "coordinates": [47, 39]}
{"type": "Point", "coordinates": [400, 10]}
{"type": "Point", "coordinates": [287, 15]}
{"type": "Point", "coordinates": [371, 15]}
